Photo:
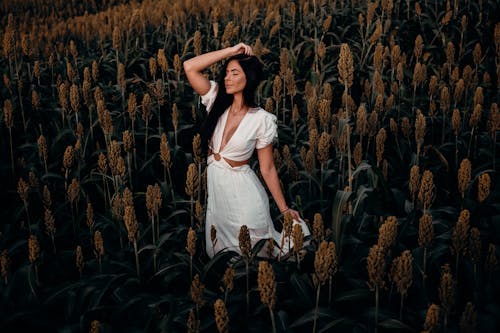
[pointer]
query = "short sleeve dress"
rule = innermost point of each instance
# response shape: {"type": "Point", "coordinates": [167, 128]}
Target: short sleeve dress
{"type": "Point", "coordinates": [236, 196]}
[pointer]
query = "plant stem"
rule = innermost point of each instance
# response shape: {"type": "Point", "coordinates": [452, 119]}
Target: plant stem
{"type": "Point", "coordinates": [11, 152]}
{"type": "Point", "coordinates": [401, 308]}
{"type": "Point", "coordinates": [136, 259]}
{"type": "Point", "coordinates": [423, 273]}
{"type": "Point", "coordinates": [146, 143]}
{"type": "Point", "coordinates": [316, 307]}
{"type": "Point", "coordinates": [272, 319]}
{"type": "Point", "coordinates": [248, 285]}
{"type": "Point", "coordinates": [330, 291]}
{"type": "Point", "coordinates": [376, 309]}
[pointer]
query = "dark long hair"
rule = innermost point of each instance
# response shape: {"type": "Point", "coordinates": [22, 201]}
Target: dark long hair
{"type": "Point", "coordinates": [254, 74]}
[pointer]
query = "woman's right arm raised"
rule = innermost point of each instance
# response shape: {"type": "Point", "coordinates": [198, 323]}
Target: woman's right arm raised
{"type": "Point", "coordinates": [194, 66]}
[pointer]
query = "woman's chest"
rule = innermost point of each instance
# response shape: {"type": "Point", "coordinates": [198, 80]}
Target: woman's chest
{"type": "Point", "coordinates": [237, 133]}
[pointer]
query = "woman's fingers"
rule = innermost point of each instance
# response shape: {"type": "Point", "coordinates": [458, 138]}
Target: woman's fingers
{"type": "Point", "coordinates": [243, 48]}
{"type": "Point", "coordinates": [295, 214]}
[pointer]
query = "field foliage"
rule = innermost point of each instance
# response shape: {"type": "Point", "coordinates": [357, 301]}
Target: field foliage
{"type": "Point", "coordinates": [388, 120]}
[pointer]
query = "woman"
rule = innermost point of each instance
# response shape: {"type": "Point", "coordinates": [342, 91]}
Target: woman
{"type": "Point", "coordinates": [234, 128]}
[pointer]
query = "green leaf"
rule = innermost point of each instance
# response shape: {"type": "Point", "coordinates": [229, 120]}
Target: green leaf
{"type": "Point", "coordinates": [301, 284]}
{"type": "Point", "coordinates": [395, 324]}
{"type": "Point", "coordinates": [147, 247]}
{"type": "Point", "coordinates": [341, 198]}
{"type": "Point", "coordinates": [333, 324]}
{"type": "Point", "coordinates": [309, 316]}
{"type": "Point", "coordinates": [354, 295]}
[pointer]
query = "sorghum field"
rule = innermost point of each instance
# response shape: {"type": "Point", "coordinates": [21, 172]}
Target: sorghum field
{"type": "Point", "coordinates": [388, 121]}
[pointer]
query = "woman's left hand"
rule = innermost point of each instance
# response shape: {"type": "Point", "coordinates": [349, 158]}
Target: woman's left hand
{"type": "Point", "coordinates": [295, 214]}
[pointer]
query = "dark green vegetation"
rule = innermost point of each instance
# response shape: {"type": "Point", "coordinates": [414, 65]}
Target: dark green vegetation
{"type": "Point", "coordinates": [407, 160]}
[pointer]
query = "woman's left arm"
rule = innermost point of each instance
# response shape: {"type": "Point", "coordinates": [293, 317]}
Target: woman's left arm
{"type": "Point", "coordinates": [270, 175]}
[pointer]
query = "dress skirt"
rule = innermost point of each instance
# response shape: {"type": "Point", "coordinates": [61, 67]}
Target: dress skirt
{"type": "Point", "coordinates": [236, 197]}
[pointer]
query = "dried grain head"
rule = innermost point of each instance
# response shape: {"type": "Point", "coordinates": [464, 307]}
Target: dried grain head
{"type": "Point", "coordinates": [73, 191]}
{"type": "Point", "coordinates": [325, 263]}
{"type": "Point", "coordinates": [221, 317]}
{"type": "Point", "coordinates": [445, 99]}
{"type": "Point", "coordinates": [228, 279]}
{"type": "Point", "coordinates": [102, 164]}
{"type": "Point", "coordinates": [426, 193]}
{"type": "Point", "coordinates": [477, 54]}
{"type": "Point", "coordinates": [131, 224]}
{"type": "Point", "coordinates": [197, 149]}
{"type": "Point", "coordinates": [197, 289]}
{"type": "Point", "coordinates": [380, 144]}
{"type": "Point", "coordinates": [49, 222]}
{"type": "Point", "coordinates": [132, 106]}
{"type": "Point", "coordinates": [197, 42]}
{"type": "Point", "coordinates": [192, 180]}
{"type": "Point", "coordinates": [461, 233]}
{"type": "Point", "coordinates": [5, 263]}
{"type": "Point", "coordinates": [464, 176]}
{"type": "Point", "coordinates": [79, 260]}
{"type": "Point", "coordinates": [193, 325]}
{"type": "Point", "coordinates": [420, 127]}
{"type": "Point", "coordinates": [244, 243]}
{"type": "Point", "coordinates": [146, 107]}
{"type": "Point", "coordinates": [165, 152]}
{"type": "Point", "coordinates": [479, 96]}
{"type": "Point", "coordinates": [361, 121]}
{"type": "Point", "coordinates": [345, 66]}
{"type": "Point", "coordinates": [98, 244]}
{"type": "Point", "coordinates": [447, 289]}
{"type": "Point", "coordinates": [162, 60]}
{"type": "Point", "coordinates": [468, 320]}
{"type": "Point", "coordinates": [290, 85]}
{"type": "Point", "coordinates": [191, 242]}
{"type": "Point", "coordinates": [387, 234]}
{"type": "Point", "coordinates": [33, 249]}
{"type": "Point", "coordinates": [175, 116]}
{"type": "Point", "coordinates": [318, 228]}
{"type": "Point", "coordinates": [277, 89]}
{"type": "Point", "coordinates": [455, 121]}
{"type": "Point", "coordinates": [483, 187]}
{"type": "Point", "coordinates": [47, 202]}
{"type": "Point", "coordinates": [403, 272]}
{"type": "Point", "coordinates": [23, 189]}
{"type": "Point", "coordinates": [324, 147]}
{"type": "Point", "coordinates": [376, 266]}
{"type": "Point", "coordinates": [476, 116]}
{"type": "Point", "coordinates": [177, 64]}
{"type": "Point", "coordinates": [358, 154]}
{"type": "Point", "coordinates": [68, 157]}
{"type": "Point", "coordinates": [266, 284]}
{"type": "Point", "coordinates": [298, 238]}
{"type": "Point", "coordinates": [425, 230]}
{"type": "Point", "coordinates": [432, 318]}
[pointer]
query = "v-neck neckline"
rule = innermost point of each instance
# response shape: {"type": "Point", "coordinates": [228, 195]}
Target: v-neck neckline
{"type": "Point", "coordinates": [224, 129]}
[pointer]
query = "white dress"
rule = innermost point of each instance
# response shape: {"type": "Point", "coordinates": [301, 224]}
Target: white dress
{"type": "Point", "coordinates": [236, 196]}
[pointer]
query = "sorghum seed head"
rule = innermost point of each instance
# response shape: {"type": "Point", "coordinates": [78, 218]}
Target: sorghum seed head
{"type": "Point", "coordinates": [245, 244]}
{"type": "Point", "coordinates": [197, 289]}
{"type": "Point", "coordinates": [221, 318]}
{"type": "Point", "coordinates": [425, 230]}
{"type": "Point", "coordinates": [267, 284]}
{"type": "Point", "coordinates": [191, 242]}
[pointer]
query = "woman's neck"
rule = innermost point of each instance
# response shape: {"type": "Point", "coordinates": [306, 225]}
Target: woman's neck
{"type": "Point", "coordinates": [238, 102]}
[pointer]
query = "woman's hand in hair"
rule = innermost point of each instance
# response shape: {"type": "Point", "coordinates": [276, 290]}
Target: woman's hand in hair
{"type": "Point", "coordinates": [242, 48]}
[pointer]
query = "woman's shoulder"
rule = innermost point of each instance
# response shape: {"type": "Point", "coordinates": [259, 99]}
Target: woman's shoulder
{"type": "Point", "coordinates": [262, 113]}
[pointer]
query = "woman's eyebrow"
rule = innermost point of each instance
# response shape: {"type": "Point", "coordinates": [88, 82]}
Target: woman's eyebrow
{"type": "Point", "coordinates": [232, 70]}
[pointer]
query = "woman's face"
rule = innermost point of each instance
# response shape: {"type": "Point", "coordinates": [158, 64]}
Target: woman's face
{"type": "Point", "coordinates": [235, 79]}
